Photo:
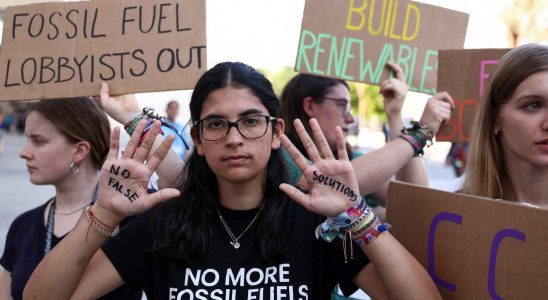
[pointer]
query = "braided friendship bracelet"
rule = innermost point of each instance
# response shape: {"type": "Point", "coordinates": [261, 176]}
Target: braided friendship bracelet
{"type": "Point", "coordinates": [366, 236]}
{"type": "Point", "coordinates": [423, 127]}
{"type": "Point", "coordinates": [418, 136]}
{"type": "Point", "coordinates": [337, 226]}
{"type": "Point", "coordinates": [99, 226]}
{"type": "Point", "coordinates": [148, 115]}
{"type": "Point", "coordinates": [359, 223]}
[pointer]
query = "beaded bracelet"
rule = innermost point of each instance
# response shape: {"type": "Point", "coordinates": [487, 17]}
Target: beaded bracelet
{"type": "Point", "coordinates": [365, 225]}
{"type": "Point", "coordinates": [99, 226]}
{"type": "Point", "coordinates": [418, 136]}
{"type": "Point", "coordinates": [358, 222]}
{"type": "Point", "coordinates": [337, 226]}
{"type": "Point", "coordinates": [373, 234]}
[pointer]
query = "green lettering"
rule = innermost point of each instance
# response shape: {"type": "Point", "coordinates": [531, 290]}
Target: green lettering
{"type": "Point", "coordinates": [407, 58]}
{"type": "Point", "coordinates": [303, 47]}
{"type": "Point", "coordinates": [387, 53]}
{"type": "Point", "coordinates": [404, 55]}
{"type": "Point", "coordinates": [349, 55]}
{"type": "Point", "coordinates": [318, 51]}
{"type": "Point", "coordinates": [336, 57]}
{"type": "Point", "coordinates": [412, 72]}
{"type": "Point", "coordinates": [427, 68]}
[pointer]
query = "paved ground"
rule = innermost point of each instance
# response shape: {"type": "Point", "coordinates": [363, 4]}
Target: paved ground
{"type": "Point", "coordinates": [19, 195]}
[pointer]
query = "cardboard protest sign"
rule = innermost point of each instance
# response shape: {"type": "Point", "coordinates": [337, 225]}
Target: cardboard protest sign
{"type": "Point", "coordinates": [473, 248]}
{"type": "Point", "coordinates": [58, 50]}
{"type": "Point", "coordinates": [463, 74]}
{"type": "Point", "coordinates": [353, 39]}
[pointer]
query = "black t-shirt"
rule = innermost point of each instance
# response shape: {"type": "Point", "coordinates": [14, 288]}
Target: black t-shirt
{"type": "Point", "coordinates": [309, 270]}
{"type": "Point", "coordinates": [24, 249]}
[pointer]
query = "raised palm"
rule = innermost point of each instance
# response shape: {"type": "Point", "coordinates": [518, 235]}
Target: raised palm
{"type": "Point", "coordinates": [123, 181]}
{"type": "Point", "coordinates": [332, 182]}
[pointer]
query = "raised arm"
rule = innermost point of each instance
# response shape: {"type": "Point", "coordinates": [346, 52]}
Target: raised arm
{"type": "Point", "coordinates": [400, 273]}
{"type": "Point", "coordinates": [394, 91]}
{"type": "Point", "coordinates": [69, 262]}
{"type": "Point", "coordinates": [375, 168]}
{"type": "Point", "coordinates": [124, 108]}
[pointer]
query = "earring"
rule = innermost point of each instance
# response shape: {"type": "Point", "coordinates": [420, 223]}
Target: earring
{"type": "Point", "coordinates": [74, 168]}
{"type": "Point", "coordinates": [496, 132]}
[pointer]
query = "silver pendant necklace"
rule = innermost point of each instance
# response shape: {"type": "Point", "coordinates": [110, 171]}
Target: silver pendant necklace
{"type": "Point", "coordinates": [233, 239]}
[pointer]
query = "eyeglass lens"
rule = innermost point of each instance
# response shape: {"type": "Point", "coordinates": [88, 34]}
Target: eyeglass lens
{"type": "Point", "coordinates": [250, 127]}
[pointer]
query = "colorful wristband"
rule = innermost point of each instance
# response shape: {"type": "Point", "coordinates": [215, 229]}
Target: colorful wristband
{"type": "Point", "coordinates": [373, 234]}
{"type": "Point", "coordinates": [339, 225]}
{"type": "Point", "coordinates": [418, 136]}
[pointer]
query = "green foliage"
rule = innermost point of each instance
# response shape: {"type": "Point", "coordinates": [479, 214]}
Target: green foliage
{"type": "Point", "coordinates": [367, 94]}
{"type": "Point", "coordinates": [370, 98]}
{"type": "Point", "coordinates": [279, 78]}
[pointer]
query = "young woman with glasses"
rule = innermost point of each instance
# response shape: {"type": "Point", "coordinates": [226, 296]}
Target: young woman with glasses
{"type": "Point", "coordinates": [328, 101]}
{"type": "Point", "coordinates": [233, 233]}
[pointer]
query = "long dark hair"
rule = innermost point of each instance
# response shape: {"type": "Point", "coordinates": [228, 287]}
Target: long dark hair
{"type": "Point", "coordinates": [186, 228]}
{"type": "Point", "coordinates": [293, 94]}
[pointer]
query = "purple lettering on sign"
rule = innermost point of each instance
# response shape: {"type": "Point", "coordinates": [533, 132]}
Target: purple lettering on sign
{"type": "Point", "coordinates": [442, 216]}
{"type": "Point", "coordinates": [493, 257]}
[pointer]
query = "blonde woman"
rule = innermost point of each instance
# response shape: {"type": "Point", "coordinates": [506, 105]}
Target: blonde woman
{"type": "Point", "coordinates": [508, 156]}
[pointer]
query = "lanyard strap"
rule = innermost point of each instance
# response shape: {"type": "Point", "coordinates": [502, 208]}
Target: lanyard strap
{"type": "Point", "coordinates": [51, 222]}
{"type": "Point", "coordinates": [49, 231]}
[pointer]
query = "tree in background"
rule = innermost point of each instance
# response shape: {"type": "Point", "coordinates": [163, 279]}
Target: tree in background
{"type": "Point", "coordinates": [527, 21]}
{"type": "Point", "coordinates": [279, 78]}
{"type": "Point", "coordinates": [365, 100]}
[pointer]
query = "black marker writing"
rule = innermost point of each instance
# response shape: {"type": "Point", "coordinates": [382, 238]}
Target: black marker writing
{"type": "Point", "coordinates": [128, 193]}
{"type": "Point", "coordinates": [160, 20]}
{"type": "Point", "coordinates": [335, 184]}
{"type": "Point", "coordinates": [75, 23]}
{"type": "Point", "coordinates": [116, 169]}
{"type": "Point", "coordinates": [107, 66]}
{"type": "Point", "coordinates": [115, 184]}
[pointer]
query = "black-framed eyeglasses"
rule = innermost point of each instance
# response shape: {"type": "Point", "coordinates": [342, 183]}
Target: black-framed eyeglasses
{"type": "Point", "coordinates": [251, 127]}
{"type": "Point", "coordinates": [342, 104]}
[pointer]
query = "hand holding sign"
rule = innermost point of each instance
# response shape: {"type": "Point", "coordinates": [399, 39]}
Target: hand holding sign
{"type": "Point", "coordinates": [437, 111]}
{"type": "Point", "coordinates": [135, 45]}
{"type": "Point", "coordinates": [464, 73]}
{"type": "Point", "coordinates": [394, 90]}
{"type": "Point", "coordinates": [121, 108]}
{"type": "Point", "coordinates": [332, 182]}
{"type": "Point", "coordinates": [123, 181]}
{"type": "Point", "coordinates": [353, 40]}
